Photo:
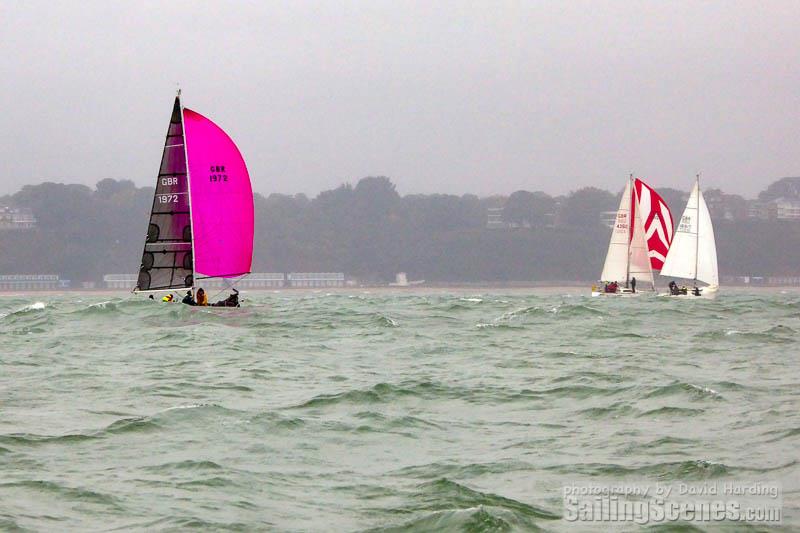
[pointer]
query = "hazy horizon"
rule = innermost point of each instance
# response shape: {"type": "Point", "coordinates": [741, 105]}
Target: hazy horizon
{"type": "Point", "coordinates": [445, 98]}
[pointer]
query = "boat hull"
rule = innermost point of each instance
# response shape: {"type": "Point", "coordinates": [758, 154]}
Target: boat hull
{"type": "Point", "coordinates": [624, 293]}
{"type": "Point", "coordinates": [705, 292]}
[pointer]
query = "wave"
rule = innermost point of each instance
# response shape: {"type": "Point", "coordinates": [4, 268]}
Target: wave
{"type": "Point", "coordinates": [564, 311]}
{"type": "Point", "coordinates": [692, 470]}
{"type": "Point", "coordinates": [32, 439]}
{"type": "Point", "coordinates": [275, 421]}
{"type": "Point", "coordinates": [495, 325]}
{"type": "Point", "coordinates": [485, 394]}
{"type": "Point", "coordinates": [406, 421]}
{"type": "Point", "coordinates": [100, 308]}
{"type": "Point", "coordinates": [380, 393]}
{"type": "Point", "coordinates": [188, 464]}
{"type": "Point", "coordinates": [444, 493]}
{"type": "Point", "coordinates": [386, 321]}
{"type": "Point", "coordinates": [440, 470]}
{"type": "Point", "coordinates": [520, 313]}
{"type": "Point", "coordinates": [130, 425]}
{"type": "Point", "coordinates": [668, 411]}
{"type": "Point", "coordinates": [604, 332]}
{"type": "Point", "coordinates": [681, 388]}
{"type": "Point", "coordinates": [75, 494]}
{"type": "Point", "coordinates": [471, 519]}
{"type": "Point", "coordinates": [783, 434]}
{"type": "Point", "coordinates": [30, 308]}
{"type": "Point", "coordinates": [581, 391]}
{"type": "Point", "coordinates": [179, 523]}
{"type": "Point", "coordinates": [611, 411]}
{"type": "Point", "coordinates": [774, 335]}
{"type": "Point", "coordinates": [444, 505]}
{"type": "Point", "coordinates": [163, 420]}
{"type": "Point", "coordinates": [34, 318]}
{"type": "Point", "coordinates": [663, 446]}
{"type": "Point", "coordinates": [178, 389]}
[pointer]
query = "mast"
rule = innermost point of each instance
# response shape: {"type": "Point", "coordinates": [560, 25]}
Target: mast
{"type": "Point", "coordinates": [697, 239]}
{"type": "Point", "coordinates": [631, 229]}
{"type": "Point", "coordinates": [188, 188]}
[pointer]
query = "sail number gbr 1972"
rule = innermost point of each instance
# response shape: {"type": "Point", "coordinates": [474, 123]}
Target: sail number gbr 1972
{"type": "Point", "coordinates": [217, 173]}
{"type": "Point", "coordinates": [167, 198]}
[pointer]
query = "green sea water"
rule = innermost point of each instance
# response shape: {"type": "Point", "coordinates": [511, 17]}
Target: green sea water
{"type": "Point", "coordinates": [400, 411]}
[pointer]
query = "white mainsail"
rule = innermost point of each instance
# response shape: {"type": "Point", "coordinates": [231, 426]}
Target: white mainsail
{"type": "Point", "coordinates": [693, 254]}
{"type": "Point", "coordinates": [627, 255]}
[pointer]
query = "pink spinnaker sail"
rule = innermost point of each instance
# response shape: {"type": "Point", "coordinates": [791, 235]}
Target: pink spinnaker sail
{"type": "Point", "coordinates": [221, 200]}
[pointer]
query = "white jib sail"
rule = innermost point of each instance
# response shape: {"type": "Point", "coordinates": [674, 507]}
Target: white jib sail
{"type": "Point", "coordinates": [693, 254]}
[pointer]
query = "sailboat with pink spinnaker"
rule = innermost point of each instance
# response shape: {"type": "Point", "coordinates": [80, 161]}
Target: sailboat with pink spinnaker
{"type": "Point", "coordinates": [201, 222]}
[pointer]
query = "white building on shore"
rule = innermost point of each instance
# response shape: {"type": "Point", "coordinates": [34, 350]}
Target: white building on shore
{"type": "Point", "coordinates": [315, 279]}
{"type": "Point", "coordinates": [256, 280]}
{"type": "Point", "coordinates": [120, 281]}
{"type": "Point", "coordinates": [15, 218]}
{"type": "Point", "coordinates": [32, 282]}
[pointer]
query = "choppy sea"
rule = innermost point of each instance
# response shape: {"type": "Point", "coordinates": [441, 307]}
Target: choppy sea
{"type": "Point", "coordinates": [398, 411]}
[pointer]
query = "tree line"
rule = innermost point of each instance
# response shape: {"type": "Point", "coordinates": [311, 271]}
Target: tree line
{"type": "Point", "coordinates": [371, 232]}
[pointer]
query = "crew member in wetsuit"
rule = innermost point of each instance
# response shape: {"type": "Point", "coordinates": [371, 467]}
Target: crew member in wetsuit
{"type": "Point", "coordinates": [188, 300]}
{"type": "Point", "coordinates": [633, 284]}
{"type": "Point", "coordinates": [673, 288]}
{"type": "Point", "coordinates": [230, 301]}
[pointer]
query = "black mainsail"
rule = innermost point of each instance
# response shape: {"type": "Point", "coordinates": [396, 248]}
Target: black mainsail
{"type": "Point", "coordinates": [167, 261]}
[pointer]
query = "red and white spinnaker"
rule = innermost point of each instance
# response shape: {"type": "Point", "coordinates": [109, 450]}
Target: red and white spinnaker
{"type": "Point", "coordinates": [657, 221]}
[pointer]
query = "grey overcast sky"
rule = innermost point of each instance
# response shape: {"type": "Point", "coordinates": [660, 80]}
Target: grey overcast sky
{"type": "Point", "coordinates": [482, 97]}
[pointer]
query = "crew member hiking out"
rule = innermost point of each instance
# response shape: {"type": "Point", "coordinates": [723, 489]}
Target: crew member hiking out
{"type": "Point", "coordinates": [230, 301]}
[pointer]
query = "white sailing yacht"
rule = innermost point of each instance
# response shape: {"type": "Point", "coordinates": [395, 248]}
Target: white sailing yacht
{"type": "Point", "coordinates": [628, 255]}
{"type": "Point", "coordinates": [693, 254]}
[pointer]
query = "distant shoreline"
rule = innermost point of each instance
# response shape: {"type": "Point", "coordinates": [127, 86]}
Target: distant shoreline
{"type": "Point", "coordinates": [575, 288]}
